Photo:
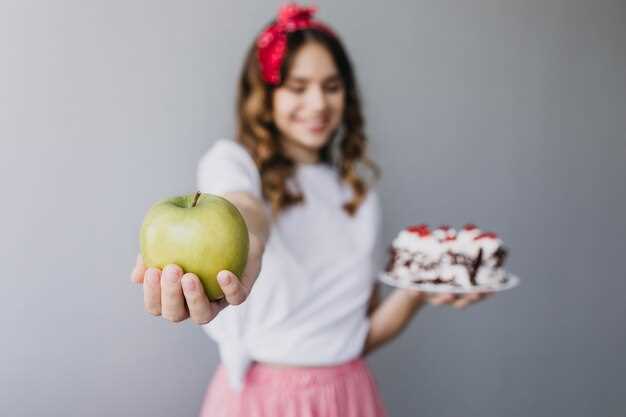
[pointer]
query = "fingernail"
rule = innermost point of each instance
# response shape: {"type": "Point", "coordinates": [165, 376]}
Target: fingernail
{"type": "Point", "coordinates": [173, 274]}
{"type": "Point", "coordinates": [188, 284]}
{"type": "Point", "coordinates": [153, 277]}
{"type": "Point", "coordinates": [224, 278]}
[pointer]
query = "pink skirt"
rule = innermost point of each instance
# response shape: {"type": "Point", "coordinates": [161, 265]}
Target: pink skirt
{"type": "Point", "coordinates": [346, 390]}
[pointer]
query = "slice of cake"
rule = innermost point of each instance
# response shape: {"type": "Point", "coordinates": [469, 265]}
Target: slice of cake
{"type": "Point", "coordinates": [442, 256]}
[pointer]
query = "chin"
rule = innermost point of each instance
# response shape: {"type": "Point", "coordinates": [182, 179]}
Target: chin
{"type": "Point", "coordinates": [313, 141]}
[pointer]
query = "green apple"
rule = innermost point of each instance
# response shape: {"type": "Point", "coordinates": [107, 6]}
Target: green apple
{"type": "Point", "coordinates": [201, 233]}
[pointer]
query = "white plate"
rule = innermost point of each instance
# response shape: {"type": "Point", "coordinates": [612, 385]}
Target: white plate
{"type": "Point", "coordinates": [511, 281]}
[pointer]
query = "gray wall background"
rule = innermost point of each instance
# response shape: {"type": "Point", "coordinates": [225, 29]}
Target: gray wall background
{"type": "Point", "coordinates": [507, 113]}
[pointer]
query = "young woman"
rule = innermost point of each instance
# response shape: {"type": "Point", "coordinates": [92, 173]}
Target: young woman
{"type": "Point", "coordinates": [299, 174]}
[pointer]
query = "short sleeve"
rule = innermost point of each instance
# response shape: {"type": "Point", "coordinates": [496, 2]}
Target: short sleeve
{"type": "Point", "coordinates": [227, 167]}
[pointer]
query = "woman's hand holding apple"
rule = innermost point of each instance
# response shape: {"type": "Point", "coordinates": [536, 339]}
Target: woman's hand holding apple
{"type": "Point", "coordinates": [175, 228]}
{"type": "Point", "coordinates": [177, 296]}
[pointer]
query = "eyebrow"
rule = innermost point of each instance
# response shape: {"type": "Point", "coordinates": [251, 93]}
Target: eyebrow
{"type": "Point", "coordinates": [334, 77]}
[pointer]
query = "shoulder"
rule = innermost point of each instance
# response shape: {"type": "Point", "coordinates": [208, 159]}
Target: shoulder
{"type": "Point", "coordinates": [228, 155]}
{"type": "Point", "coordinates": [227, 166]}
{"type": "Point", "coordinates": [228, 149]}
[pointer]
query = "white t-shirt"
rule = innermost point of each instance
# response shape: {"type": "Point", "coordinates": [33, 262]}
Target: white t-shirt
{"type": "Point", "coordinates": [308, 305]}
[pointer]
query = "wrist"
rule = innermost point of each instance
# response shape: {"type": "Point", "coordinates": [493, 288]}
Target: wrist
{"type": "Point", "coordinates": [257, 245]}
{"type": "Point", "coordinates": [416, 298]}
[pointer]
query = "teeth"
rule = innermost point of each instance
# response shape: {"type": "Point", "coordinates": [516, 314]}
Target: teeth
{"type": "Point", "coordinates": [316, 124]}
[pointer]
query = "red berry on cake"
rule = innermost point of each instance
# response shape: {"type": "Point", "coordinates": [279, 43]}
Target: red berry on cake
{"type": "Point", "coordinates": [420, 229]}
{"type": "Point", "coordinates": [486, 235]}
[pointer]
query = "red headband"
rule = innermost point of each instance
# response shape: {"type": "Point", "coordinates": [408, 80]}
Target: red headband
{"type": "Point", "coordinates": [272, 42]}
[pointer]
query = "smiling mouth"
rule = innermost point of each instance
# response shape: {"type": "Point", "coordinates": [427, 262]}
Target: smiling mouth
{"type": "Point", "coordinates": [315, 126]}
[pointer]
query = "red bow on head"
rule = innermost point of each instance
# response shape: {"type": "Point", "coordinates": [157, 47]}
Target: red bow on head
{"type": "Point", "coordinates": [272, 42]}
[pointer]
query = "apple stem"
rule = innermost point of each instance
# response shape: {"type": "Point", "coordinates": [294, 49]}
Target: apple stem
{"type": "Point", "coordinates": [195, 199]}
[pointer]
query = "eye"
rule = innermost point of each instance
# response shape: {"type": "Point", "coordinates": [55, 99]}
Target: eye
{"type": "Point", "coordinates": [296, 89]}
{"type": "Point", "coordinates": [333, 87]}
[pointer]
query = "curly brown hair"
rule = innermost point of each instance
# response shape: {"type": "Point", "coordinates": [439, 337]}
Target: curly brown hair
{"type": "Point", "coordinates": [257, 132]}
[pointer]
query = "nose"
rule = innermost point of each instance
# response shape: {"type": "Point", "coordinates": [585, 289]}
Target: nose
{"type": "Point", "coordinates": [316, 99]}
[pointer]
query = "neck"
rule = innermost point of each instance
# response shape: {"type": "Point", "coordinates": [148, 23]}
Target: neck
{"type": "Point", "coordinates": [300, 154]}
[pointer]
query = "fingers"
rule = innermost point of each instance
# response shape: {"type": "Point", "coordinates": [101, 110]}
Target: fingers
{"type": "Point", "coordinates": [485, 295]}
{"type": "Point", "coordinates": [440, 299]}
{"type": "Point", "coordinates": [176, 297]}
{"type": "Point", "coordinates": [465, 300]}
{"type": "Point", "coordinates": [201, 310]}
{"type": "Point", "coordinates": [152, 291]}
{"type": "Point", "coordinates": [173, 306]}
{"type": "Point", "coordinates": [139, 271]}
{"type": "Point", "coordinates": [234, 291]}
{"type": "Point", "coordinates": [458, 301]}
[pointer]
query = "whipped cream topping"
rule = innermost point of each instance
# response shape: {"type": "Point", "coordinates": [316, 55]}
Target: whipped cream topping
{"type": "Point", "coordinates": [429, 255]}
{"type": "Point", "coordinates": [413, 242]}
